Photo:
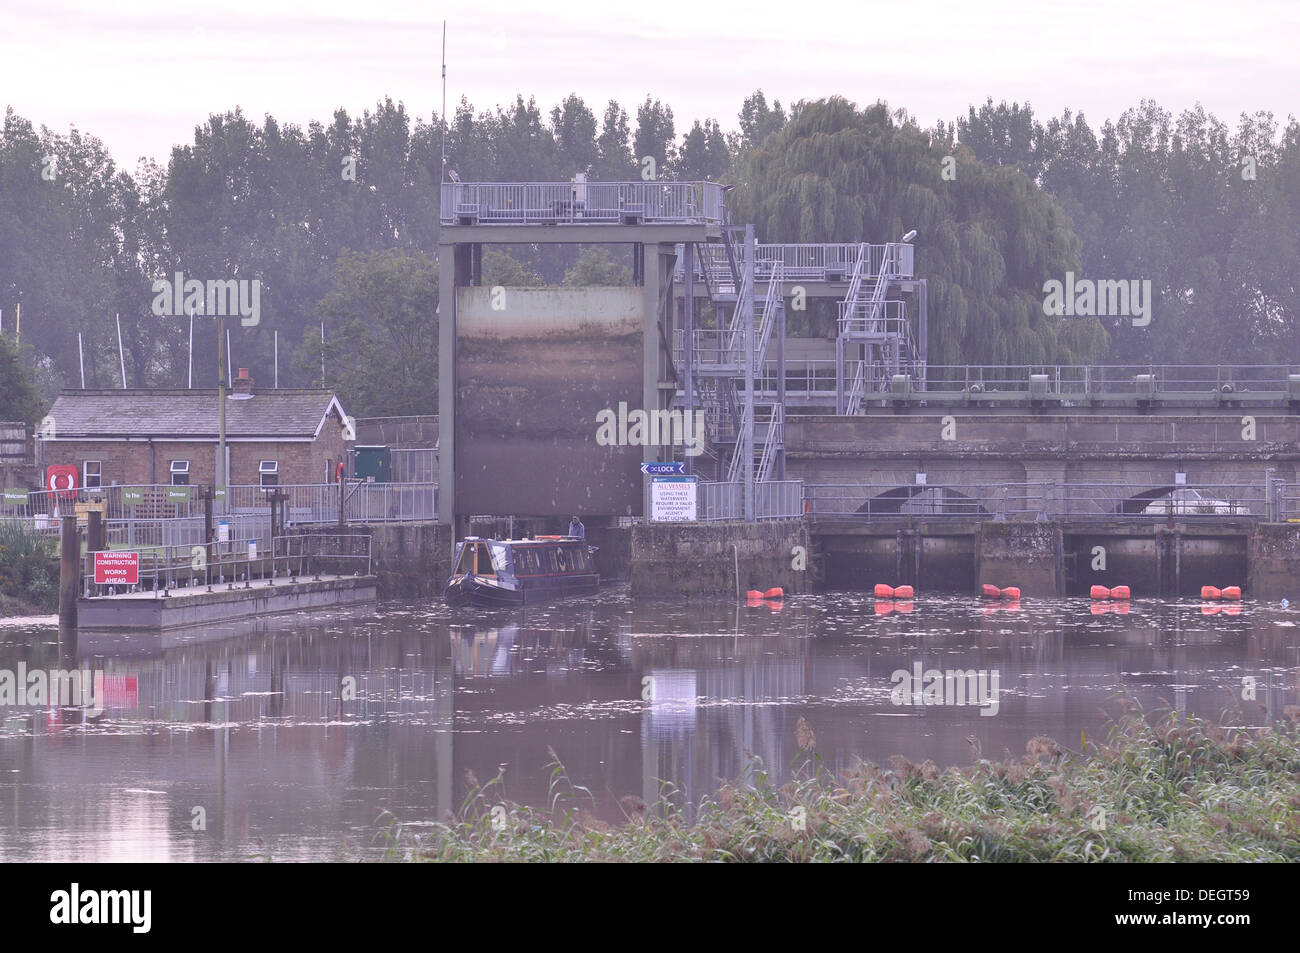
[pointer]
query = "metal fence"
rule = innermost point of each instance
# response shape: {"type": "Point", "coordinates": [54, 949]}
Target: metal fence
{"type": "Point", "coordinates": [235, 563]}
{"type": "Point", "coordinates": [806, 261]}
{"type": "Point", "coordinates": [1043, 501]}
{"type": "Point", "coordinates": [145, 517]}
{"type": "Point", "coordinates": [1090, 382]}
{"type": "Point", "coordinates": [552, 203]}
{"type": "Point", "coordinates": [773, 499]}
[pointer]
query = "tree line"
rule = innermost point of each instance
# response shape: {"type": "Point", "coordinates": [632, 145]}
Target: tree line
{"type": "Point", "coordinates": [338, 222]}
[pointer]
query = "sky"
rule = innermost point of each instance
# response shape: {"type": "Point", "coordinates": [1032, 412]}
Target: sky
{"type": "Point", "coordinates": [141, 74]}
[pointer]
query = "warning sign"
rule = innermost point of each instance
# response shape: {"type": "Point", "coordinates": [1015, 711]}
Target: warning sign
{"type": "Point", "coordinates": [672, 499]}
{"type": "Point", "coordinates": [117, 569]}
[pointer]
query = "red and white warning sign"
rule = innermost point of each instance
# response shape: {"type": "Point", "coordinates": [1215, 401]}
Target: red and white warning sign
{"type": "Point", "coordinates": [117, 569]}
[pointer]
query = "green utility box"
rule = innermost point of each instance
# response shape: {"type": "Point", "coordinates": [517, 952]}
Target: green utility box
{"type": "Point", "coordinates": [372, 464]}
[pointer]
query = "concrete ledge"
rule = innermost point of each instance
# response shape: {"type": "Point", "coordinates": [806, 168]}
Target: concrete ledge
{"type": "Point", "coordinates": [1273, 562]}
{"type": "Point", "coordinates": [676, 560]}
{"type": "Point", "coordinates": [182, 609]}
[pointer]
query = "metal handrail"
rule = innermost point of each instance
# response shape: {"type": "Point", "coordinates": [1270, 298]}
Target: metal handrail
{"type": "Point", "coordinates": [578, 203]}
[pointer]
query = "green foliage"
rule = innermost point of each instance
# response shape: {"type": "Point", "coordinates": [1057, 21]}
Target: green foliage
{"type": "Point", "coordinates": [381, 352]}
{"type": "Point", "coordinates": [499, 268]}
{"type": "Point", "coordinates": [29, 569]}
{"type": "Point", "coordinates": [595, 266]}
{"type": "Point", "coordinates": [19, 397]}
{"type": "Point", "coordinates": [987, 240]}
{"type": "Point", "coordinates": [1170, 789]}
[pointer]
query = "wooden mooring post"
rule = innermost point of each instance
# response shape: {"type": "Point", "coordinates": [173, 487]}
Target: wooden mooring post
{"type": "Point", "coordinates": [69, 573]}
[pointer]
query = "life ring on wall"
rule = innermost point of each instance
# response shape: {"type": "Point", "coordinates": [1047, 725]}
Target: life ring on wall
{"type": "Point", "coordinates": [61, 479]}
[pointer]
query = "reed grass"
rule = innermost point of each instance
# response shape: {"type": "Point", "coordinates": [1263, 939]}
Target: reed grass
{"type": "Point", "coordinates": [1165, 787]}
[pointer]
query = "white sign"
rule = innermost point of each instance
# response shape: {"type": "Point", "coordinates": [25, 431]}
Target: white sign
{"type": "Point", "coordinates": [252, 550]}
{"type": "Point", "coordinates": [672, 499]}
{"type": "Point", "coordinates": [1180, 479]}
{"type": "Point", "coordinates": [920, 479]}
{"type": "Point", "coordinates": [223, 532]}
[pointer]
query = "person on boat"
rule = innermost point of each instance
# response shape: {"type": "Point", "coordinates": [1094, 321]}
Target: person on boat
{"type": "Point", "coordinates": [577, 529]}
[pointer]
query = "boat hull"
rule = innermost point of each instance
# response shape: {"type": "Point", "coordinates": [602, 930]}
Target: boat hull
{"type": "Point", "coordinates": [480, 594]}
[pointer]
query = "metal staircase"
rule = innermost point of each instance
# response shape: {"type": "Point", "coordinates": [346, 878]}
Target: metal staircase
{"type": "Point", "coordinates": [874, 327]}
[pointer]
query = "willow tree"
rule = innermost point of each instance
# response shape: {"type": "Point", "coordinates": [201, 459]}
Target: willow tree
{"type": "Point", "coordinates": [987, 237]}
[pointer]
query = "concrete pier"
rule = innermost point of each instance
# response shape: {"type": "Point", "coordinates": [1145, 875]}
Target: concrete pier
{"type": "Point", "coordinates": [197, 607]}
{"type": "Point", "coordinates": [1273, 558]}
{"type": "Point", "coordinates": [690, 560]}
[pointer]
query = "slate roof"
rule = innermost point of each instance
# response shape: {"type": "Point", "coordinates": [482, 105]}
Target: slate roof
{"type": "Point", "coordinates": [109, 414]}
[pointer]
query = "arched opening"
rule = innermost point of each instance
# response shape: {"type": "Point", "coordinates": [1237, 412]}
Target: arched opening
{"type": "Point", "coordinates": [922, 501]}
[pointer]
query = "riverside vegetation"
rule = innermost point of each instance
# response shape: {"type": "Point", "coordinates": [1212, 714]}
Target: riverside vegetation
{"type": "Point", "coordinates": [29, 572]}
{"type": "Point", "coordinates": [1167, 788]}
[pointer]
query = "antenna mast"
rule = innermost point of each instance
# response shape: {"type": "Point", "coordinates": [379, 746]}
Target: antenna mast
{"type": "Point", "coordinates": [442, 172]}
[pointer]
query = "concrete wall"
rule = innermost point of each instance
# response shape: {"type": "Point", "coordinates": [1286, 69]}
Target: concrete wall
{"type": "Point", "coordinates": [696, 560]}
{"type": "Point", "coordinates": [410, 560]}
{"type": "Point", "coordinates": [222, 605]}
{"type": "Point", "coordinates": [1141, 452]}
{"type": "Point", "coordinates": [530, 377]}
{"type": "Point", "coordinates": [1273, 558]}
{"type": "Point", "coordinates": [1026, 555]}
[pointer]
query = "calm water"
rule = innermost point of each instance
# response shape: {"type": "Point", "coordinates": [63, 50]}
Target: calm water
{"type": "Point", "coordinates": [252, 727]}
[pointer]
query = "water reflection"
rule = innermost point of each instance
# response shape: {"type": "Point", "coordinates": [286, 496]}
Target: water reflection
{"type": "Point", "coordinates": [293, 734]}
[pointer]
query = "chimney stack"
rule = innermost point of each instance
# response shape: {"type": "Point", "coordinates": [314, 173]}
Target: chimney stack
{"type": "Point", "coordinates": [243, 384]}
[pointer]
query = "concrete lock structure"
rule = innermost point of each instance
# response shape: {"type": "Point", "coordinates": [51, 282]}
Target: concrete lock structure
{"type": "Point", "coordinates": [1050, 479]}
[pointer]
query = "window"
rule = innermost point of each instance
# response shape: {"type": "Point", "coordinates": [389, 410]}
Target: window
{"type": "Point", "coordinates": [180, 473]}
{"type": "Point", "coordinates": [500, 558]}
{"type": "Point", "coordinates": [269, 472]}
{"type": "Point", "coordinates": [92, 474]}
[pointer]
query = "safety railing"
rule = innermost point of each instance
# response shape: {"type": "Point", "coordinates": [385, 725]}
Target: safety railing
{"type": "Point", "coordinates": [238, 563]}
{"type": "Point", "coordinates": [773, 499]}
{"type": "Point", "coordinates": [799, 261]}
{"type": "Point", "coordinates": [1221, 382]}
{"type": "Point", "coordinates": [553, 203]}
{"type": "Point", "coordinates": [1041, 501]}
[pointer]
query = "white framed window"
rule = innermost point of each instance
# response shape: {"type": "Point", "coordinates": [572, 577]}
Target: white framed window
{"type": "Point", "coordinates": [180, 471]}
{"type": "Point", "coordinates": [268, 472]}
{"type": "Point", "coordinates": [91, 472]}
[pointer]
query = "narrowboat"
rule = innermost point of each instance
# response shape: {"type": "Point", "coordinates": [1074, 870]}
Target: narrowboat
{"type": "Point", "coordinates": [502, 573]}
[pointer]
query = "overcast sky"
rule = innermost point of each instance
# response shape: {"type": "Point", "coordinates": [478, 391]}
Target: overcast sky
{"type": "Point", "coordinates": [142, 74]}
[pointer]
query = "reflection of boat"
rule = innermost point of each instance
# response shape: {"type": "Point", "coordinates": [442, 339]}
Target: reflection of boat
{"type": "Point", "coordinates": [495, 573]}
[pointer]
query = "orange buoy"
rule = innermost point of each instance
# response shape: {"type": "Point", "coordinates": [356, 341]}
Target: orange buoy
{"type": "Point", "coordinates": [1011, 592]}
{"type": "Point", "coordinates": [1231, 592]}
{"type": "Point", "coordinates": [884, 591]}
{"type": "Point", "coordinates": [1121, 592]}
{"type": "Point", "coordinates": [904, 592]}
{"type": "Point", "coordinates": [990, 592]}
{"type": "Point", "coordinates": [1210, 592]}
{"type": "Point", "coordinates": [1099, 592]}
{"type": "Point", "coordinates": [776, 592]}
{"type": "Point", "coordinates": [753, 594]}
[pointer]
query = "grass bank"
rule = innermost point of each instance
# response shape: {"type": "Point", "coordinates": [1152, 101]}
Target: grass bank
{"type": "Point", "coordinates": [1166, 788]}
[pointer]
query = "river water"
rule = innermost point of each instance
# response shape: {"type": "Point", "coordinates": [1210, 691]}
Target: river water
{"type": "Point", "coordinates": [226, 744]}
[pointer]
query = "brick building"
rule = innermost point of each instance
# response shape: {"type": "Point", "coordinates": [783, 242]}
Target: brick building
{"type": "Point", "coordinates": [134, 437]}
